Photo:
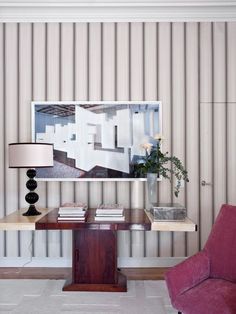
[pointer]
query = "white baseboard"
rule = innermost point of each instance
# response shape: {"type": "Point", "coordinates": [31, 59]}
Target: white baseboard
{"type": "Point", "coordinates": [149, 261]}
{"type": "Point", "coordinates": [35, 262]}
{"type": "Point", "coordinates": [63, 262]}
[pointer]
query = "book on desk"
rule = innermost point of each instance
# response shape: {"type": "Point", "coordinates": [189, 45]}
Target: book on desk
{"type": "Point", "coordinates": [109, 218]}
{"type": "Point", "coordinates": [72, 213]}
{"type": "Point", "coordinates": [109, 212]}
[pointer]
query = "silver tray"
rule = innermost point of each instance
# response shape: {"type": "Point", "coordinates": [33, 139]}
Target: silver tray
{"type": "Point", "coordinates": [168, 212]}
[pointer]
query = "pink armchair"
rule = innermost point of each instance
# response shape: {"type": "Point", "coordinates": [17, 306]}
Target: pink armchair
{"type": "Point", "coordinates": [206, 282]}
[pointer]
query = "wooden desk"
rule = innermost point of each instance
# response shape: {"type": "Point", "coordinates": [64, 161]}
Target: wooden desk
{"type": "Point", "coordinates": [16, 221]}
{"type": "Point", "coordinates": [94, 249]}
{"type": "Point", "coordinates": [94, 256]}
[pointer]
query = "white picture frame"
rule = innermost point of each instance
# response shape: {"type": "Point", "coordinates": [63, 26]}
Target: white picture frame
{"type": "Point", "coordinates": [94, 140]}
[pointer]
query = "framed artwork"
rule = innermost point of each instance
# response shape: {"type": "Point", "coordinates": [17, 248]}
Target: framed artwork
{"type": "Point", "coordinates": [95, 140]}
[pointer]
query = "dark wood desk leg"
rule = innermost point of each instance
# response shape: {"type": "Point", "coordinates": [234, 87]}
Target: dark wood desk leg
{"type": "Point", "coordinates": [94, 262]}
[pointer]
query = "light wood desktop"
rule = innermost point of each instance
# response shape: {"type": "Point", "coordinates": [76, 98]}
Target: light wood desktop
{"type": "Point", "coordinates": [186, 225]}
{"type": "Point", "coordinates": [15, 220]}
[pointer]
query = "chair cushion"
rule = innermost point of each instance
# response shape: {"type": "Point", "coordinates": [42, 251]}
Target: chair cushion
{"type": "Point", "coordinates": [212, 296]}
{"type": "Point", "coordinates": [221, 245]}
{"type": "Point", "coordinates": [187, 274]}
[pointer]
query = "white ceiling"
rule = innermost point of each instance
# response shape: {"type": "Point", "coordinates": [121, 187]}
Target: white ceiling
{"type": "Point", "coordinates": [116, 11]}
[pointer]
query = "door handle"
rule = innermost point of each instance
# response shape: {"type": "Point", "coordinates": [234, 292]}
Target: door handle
{"type": "Point", "coordinates": [204, 183]}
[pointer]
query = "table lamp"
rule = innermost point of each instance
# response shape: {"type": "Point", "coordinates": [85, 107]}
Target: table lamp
{"type": "Point", "coordinates": [31, 155]}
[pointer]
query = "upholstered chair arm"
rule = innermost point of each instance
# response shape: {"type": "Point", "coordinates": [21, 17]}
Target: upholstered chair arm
{"type": "Point", "coordinates": [187, 274]}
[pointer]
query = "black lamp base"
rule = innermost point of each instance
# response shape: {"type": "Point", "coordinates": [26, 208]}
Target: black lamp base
{"type": "Point", "coordinates": [32, 211]}
{"type": "Point", "coordinates": [31, 197]}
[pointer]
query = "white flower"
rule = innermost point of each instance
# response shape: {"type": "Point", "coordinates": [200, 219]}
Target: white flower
{"type": "Point", "coordinates": [147, 147]}
{"type": "Point", "coordinates": [159, 137]}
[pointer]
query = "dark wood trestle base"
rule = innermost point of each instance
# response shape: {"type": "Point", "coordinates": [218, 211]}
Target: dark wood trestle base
{"type": "Point", "coordinates": [94, 249]}
{"type": "Point", "coordinates": [94, 262]}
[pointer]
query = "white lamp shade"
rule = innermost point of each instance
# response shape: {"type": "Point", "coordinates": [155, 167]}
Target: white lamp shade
{"type": "Point", "coordinates": [30, 155]}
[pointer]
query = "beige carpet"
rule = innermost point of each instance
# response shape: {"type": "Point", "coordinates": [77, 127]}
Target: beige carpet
{"type": "Point", "coordinates": [46, 296]}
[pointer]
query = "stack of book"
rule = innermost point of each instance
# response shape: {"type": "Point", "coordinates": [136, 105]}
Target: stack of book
{"type": "Point", "coordinates": [72, 213]}
{"type": "Point", "coordinates": [110, 212]}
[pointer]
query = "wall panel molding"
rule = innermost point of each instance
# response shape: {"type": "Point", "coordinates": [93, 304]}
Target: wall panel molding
{"type": "Point", "coordinates": [116, 11]}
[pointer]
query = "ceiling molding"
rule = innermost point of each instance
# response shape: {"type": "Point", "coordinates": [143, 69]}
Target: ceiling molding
{"type": "Point", "coordinates": [116, 11]}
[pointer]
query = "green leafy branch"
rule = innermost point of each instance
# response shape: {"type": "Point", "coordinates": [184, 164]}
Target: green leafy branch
{"type": "Point", "coordinates": [157, 162]}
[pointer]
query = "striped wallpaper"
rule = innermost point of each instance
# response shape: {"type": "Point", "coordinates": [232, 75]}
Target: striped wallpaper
{"type": "Point", "coordinates": [190, 67]}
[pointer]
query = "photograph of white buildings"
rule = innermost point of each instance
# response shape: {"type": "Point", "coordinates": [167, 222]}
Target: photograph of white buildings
{"type": "Point", "coordinates": [94, 139]}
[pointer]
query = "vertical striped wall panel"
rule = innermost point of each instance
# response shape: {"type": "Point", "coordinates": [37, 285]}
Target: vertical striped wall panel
{"type": "Point", "coordinates": [24, 93]}
{"type": "Point", "coordinates": [165, 239]}
{"type": "Point", "coordinates": [192, 128]}
{"type": "Point", "coordinates": [178, 109]}
{"type": "Point", "coordinates": [2, 136]}
{"type": "Point", "coordinates": [150, 90]}
{"type": "Point", "coordinates": [122, 93]}
{"type": "Point", "coordinates": [11, 104]}
{"type": "Point", "coordinates": [219, 114]}
{"type": "Point", "coordinates": [190, 67]}
{"type": "Point", "coordinates": [206, 131]}
{"type": "Point", "coordinates": [231, 111]}
{"type": "Point", "coordinates": [40, 78]}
